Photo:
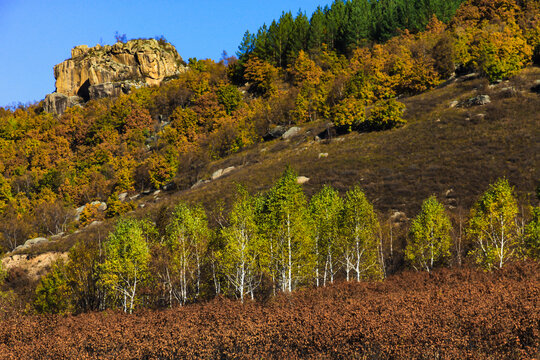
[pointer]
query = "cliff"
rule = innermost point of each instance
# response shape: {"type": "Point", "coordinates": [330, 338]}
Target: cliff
{"type": "Point", "coordinates": [108, 70]}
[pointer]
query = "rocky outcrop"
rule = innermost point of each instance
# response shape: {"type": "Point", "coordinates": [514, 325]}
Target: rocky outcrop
{"type": "Point", "coordinates": [58, 103]}
{"type": "Point", "coordinates": [103, 71]}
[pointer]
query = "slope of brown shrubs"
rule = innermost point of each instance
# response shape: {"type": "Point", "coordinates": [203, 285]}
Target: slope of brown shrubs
{"type": "Point", "coordinates": [449, 314]}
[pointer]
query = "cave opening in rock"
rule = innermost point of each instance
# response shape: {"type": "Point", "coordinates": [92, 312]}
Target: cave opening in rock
{"type": "Point", "coordinates": [84, 91]}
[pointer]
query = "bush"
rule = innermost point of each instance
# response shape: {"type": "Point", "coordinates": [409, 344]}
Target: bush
{"type": "Point", "coordinates": [348, 114]}
{"type": "Point", "coordinates": [386, 114]}
{"type": "Point", "coordinates": [53, 292]}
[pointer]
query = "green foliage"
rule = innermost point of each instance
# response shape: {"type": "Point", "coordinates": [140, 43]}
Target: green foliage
{"type": "Point", "coordinates": [287, 231]}
{"type": "Point", "coordinates": [342, 26]}
{"type": "Point", "coordinates": [492, 227]}
{"type": "Point", "coordinates": [125, 265]}
{"type": "Point", "coordinates": [187, 239]}
{"type": "Point", "coordinates": [230, 97]}
{"type": "Point", "coordinates": [325, 209]}
{"type": "Point", "coordinates": [53, 293]}
{"type": "Point", "coordinates": [359, 236]}
{"type": "Point", "coordinates": [386, 114]}
{"type": "Point", "coordinates": [532, 235]}
{"type": "Point", "coordinates": [429, 236]}
{"type": "Point", "coordinates": [240, 256]}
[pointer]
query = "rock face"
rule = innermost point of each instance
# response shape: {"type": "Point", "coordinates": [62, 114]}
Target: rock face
{"type": "Point", "coordinates": [58, 103]}
{"type": "Point", "coordinates": [107, 70]}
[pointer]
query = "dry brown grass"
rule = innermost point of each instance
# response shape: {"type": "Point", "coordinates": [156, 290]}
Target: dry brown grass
{"type": "Point", "coordinates": [440, 148]}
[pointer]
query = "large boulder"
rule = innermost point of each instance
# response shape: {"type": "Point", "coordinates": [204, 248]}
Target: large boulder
{"type": "Point", "coordinates": [58, 103]}
{"type": "Point", "coordinates": [107, 70]}
{"type": "Point", "coordinates": [295, 130]}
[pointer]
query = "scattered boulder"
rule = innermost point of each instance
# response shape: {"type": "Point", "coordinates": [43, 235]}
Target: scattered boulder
{"type": "Point", "coordinates": [470, 76]}
{"type": "Point", "coordinates": [477, 101]}
{"type": "Point", "coordinates": [275, 133]}
{"type": "Point", "coordinates": [323, 155]}
{"type": "Point", "coordinates": [156, 193]}
{"type": "Point", "coordinates": [35, 241]}
{"type": "Point", "coordinates": [199, 183]}
{"type": "Point", "coordinates": [122, 196]}
{"type": "Point", "coordinates": [302, 180]}
{"type": "Point", "coordinates": [227, 170]}
{"type": "Point", "coordinates": [291, 132]}
{"type": "Point", "coordinates": [536, 87]}
{"type": "Point", "coordinates": [479, 116]}
{"type": "Point", "coordinates": [57, 236]}
{"type": "Point", "coordinates": [101, 206]}
{"type": "Point", "coordinates": [217, 174]}
{"type": "Point", "coordinates": [454, 104]}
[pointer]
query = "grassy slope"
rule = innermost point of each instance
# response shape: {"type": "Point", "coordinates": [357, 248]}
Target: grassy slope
{"type": "Point", "coordinates": [440, 148]}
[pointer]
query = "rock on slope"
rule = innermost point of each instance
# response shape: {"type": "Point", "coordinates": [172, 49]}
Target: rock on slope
{"type": "Point", "coordinates": [107, 70]}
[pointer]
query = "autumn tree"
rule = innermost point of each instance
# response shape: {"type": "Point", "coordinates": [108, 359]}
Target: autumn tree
{"type": "Point", "coordinates": [386, 115]}
{"type": "Point", "coordinates": [349, 114]}
{"type": "Point", "coordinates": [359, 236]}
{"type": "Point", "coordinates": [429, 239]}
{"type": "Point", "coordinates": [125, 265]}
{"type": "Point", "coordinates": [497, 50]}
{"type": "Point", "coordinates": [262, 76]}
{"type": "Point", "coordinates": [492, 226]}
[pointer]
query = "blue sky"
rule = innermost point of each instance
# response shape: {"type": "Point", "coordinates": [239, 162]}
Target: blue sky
{"type": "Point", "coordinates": [35, 35]}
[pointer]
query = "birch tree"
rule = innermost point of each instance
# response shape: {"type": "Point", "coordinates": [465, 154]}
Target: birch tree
{"type": "Point", "coordinates": [492, 226]}
{"type": "Point", "coordinates": [126, 261]}
{"type": "Point", "coordinates": [359, 240]}
{"type": "Point", "coordinates": [325, 208]}
{"type": "Point", "coordinates": [429, 237]}
{"type": "Point", "coordinates": [288, 243]}
{"type": "Point", "coordinates": [187, 240]}
{"type": "Point", "coordinates": [240, 255]}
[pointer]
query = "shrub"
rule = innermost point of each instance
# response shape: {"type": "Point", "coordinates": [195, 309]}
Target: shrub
{"type": "Point", "coordinates": [348, 114]}
{"type": "Point", "coordinates": [53, 292]}
{"type": "Point", "coordinates": [386, 114]}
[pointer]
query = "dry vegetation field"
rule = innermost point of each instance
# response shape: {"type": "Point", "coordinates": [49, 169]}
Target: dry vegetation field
{"type": "Point", "coordinates": [449, 314]}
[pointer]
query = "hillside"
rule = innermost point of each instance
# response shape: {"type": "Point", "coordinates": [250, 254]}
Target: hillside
{"type": "Point", "coordinates": [279, 202]}
{"type": "Point", "coordinates": [452, 152]}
